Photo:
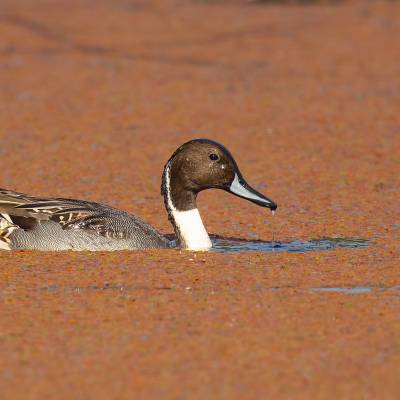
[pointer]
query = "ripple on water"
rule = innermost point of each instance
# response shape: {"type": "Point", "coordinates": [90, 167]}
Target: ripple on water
{"type": "Point", "coordinates": [221, 245]}
{"type": "Point", "coordinates": [344, 290]}
{"type": "Point", "coordinates": [356, 289]}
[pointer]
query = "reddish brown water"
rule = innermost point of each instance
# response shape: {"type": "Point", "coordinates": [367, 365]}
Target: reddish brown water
{"type": "Point", "coordinates": [95, 97]}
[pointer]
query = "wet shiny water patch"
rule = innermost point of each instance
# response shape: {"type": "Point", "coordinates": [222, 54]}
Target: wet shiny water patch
{"type": "Point", "coordinates": [344, 290]}
{"type": "Point", "coordinates": [355, 289]}
{"type": "Point", "coordinates": [221, 245]}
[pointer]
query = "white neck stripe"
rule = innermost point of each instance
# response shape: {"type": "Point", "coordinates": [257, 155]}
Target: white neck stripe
{"type": "Point", "coordinates": [192, 232]}
{"type": "Point", "coordinates": [167, 187]}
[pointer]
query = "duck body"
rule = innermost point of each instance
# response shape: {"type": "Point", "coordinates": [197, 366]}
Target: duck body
{"type": "Point", "coordinates": [55, 224]}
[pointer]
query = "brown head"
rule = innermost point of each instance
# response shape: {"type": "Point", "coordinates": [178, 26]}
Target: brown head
{"type": "Point", "coordinates": [202, 164]}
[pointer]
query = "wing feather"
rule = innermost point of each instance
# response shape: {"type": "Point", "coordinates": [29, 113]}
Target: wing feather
{"type": "Point", "coordinates": [26, 212]}
{"type": "Point", "coordinates": [69, 213]}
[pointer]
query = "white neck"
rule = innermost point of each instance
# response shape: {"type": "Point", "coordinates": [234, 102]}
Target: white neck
{"type": "Point", "coordinates": [191, 231]}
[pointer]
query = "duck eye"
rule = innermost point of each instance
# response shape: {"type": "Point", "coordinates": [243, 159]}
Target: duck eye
{"type": "Point", "coordinates": [214, 157]}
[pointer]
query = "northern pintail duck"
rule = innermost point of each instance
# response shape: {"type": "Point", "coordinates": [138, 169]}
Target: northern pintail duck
{"type": "Point", "coordinates": [38, 223]}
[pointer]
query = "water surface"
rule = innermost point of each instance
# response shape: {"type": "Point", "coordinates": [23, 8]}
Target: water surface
{"type": "Point", "coordinates": [344, 290]}
{"type": "Point", "coordinates": [221, 245]}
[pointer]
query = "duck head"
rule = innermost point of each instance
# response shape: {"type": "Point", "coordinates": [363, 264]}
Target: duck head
{"type": "Point", "coordinates": [198, 165]}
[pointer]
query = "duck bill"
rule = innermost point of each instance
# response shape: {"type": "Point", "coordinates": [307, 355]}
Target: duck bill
{"type": "Point", "coordinates": [239, 187]}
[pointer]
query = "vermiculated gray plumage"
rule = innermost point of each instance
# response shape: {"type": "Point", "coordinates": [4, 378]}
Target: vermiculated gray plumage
{"type": "Point", "coordinates": [64, 224]}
